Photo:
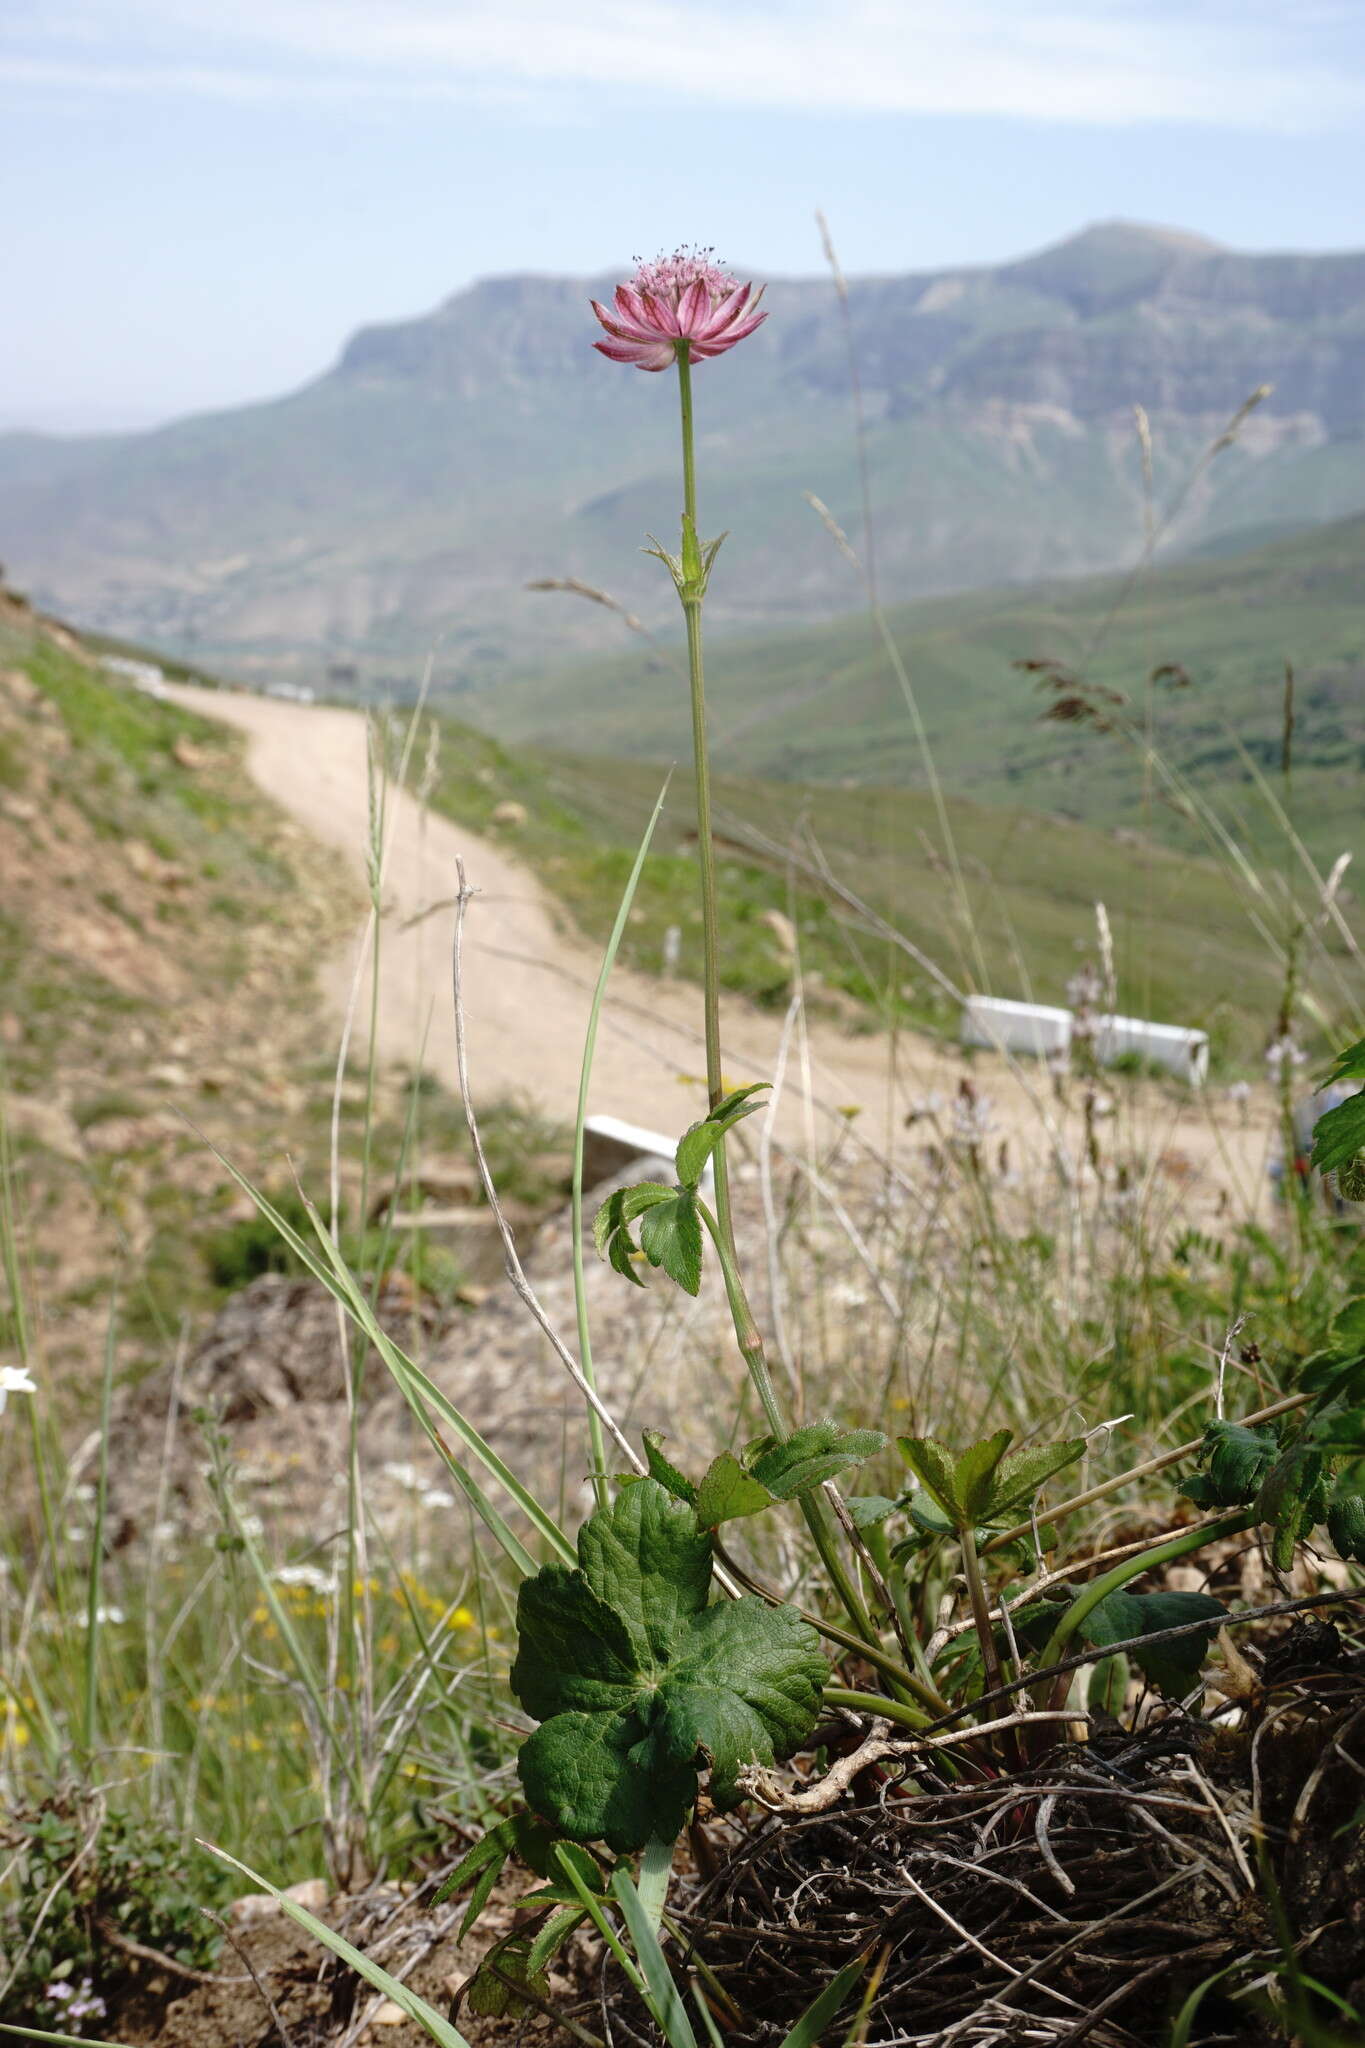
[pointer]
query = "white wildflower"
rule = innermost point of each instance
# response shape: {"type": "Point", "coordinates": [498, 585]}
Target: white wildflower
{"type": "Point", "coordinates": [308, 1575]}
{"type": "Point", "coordinates": [1284, 1051]}
{"type": "Point", "coordinates": [14, 1379]}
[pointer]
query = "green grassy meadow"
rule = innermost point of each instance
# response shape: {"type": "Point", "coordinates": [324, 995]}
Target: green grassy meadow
{"type": "Point", "coordinates": [821, 705]}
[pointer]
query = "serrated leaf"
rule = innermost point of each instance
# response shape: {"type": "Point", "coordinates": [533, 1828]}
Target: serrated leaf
{"type": "Point", "coordinates": [1292, 1500]}
{"type": "Point", "coordinates": [811, 1455]}
{"type": "Point", "coordinates": [729, 1104]}
{"type": "Point", "coordinates": [974, 1474]}
{"type": "Point", "coordinates": [1348, 1329]}
{"type": "Point", "coordinates": [638, 1684]}
{"type": "Point", "coordinates": [554, 1933]}
{"type": "Point", "coordinates": [1349, 1065]}
{"type": "Point", "coordinates": [1174, 1666]}
{"type": "Point", "coordinates": [698, 1142]}
{"type": "Point", "coordinates": [1021, 1474]}
{"type": "Point", "coordinates": [727, 1493]}
{"type": "Point", "coordinates": [621, 1253]}
{"type": "Point", "coordinates": [866, 1510]}
{"type": "Point", "coordinates": [484, 1860]}
{"type": "Point", "coordinates": [1339, 1135]}
{"type": "Point", "coordinates": [670, 1237]}
{"type": "Point", "coordinates": [695, 1147]}
{"type": "Point", "coordinates": [611, 1224]}
{"type": "Point", "coordinates": [668, 1475]}
{"type": "Point", "coordinates": [932, 1464]}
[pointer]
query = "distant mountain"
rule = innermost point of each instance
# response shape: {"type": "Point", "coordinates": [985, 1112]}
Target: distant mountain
{"type": "Point", "coordinates": [822, 704]}
{"type": "Point", "coordinates": [401, 501]}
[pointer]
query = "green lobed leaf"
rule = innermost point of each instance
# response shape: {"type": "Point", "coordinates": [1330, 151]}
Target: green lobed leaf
{"type": "Point", "coordinates": [638, 1684]}
{"type": "Point", "coordinates": [932, 1464]}
{"type": "Point", "coordinates": [1339, 1135]}
{"type": "Point", "coordinates": [727, 1493]}
{"type": "Point", "coordinates": [611, 1224]}
{"type": "Point", "coordinates": [1174, 1666]}
{"type": "Point", "coordinates": [670, 1237]}
{"type": "Point", "coordinates": [975, 1471]}
{"type": "Point", "coordinates": [811, 1455]}
{"type": "Point", "coordinates": [1021, 1474]}
{"type": "Point", "coordinates": [646, 1559]}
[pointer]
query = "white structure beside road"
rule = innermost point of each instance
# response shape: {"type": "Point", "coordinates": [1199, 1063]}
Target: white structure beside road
{"type": "Point", "coordinates": [1041, 1030]}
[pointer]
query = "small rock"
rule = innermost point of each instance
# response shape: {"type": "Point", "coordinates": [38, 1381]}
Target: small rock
{"type": "Point", "coordinates": [389, 2015]}
{"type": "Point", "coordinates": [310, 1893]}
{"type": "Point", "coordinates": [22, 809]}
{"type": "Point", "coordinates": [190, 756]}
{"type": "Point", "coordinates": [170, 1075]}
{"type": "Point", "coordinates": [509, 813]}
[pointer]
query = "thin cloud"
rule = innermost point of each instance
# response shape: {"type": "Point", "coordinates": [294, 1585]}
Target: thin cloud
{"type": "Point", "coordinates": [1090, 62]}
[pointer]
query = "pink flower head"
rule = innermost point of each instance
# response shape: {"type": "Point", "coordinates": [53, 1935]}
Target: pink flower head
{"type": "Point", "coordinates": [683, 297]}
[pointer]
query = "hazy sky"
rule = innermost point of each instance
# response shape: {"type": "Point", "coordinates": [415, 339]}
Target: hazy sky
{"type": "Point", "coordinates": [201, 200]}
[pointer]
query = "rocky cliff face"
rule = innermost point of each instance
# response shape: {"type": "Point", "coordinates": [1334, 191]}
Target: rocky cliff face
{"type": "Point", "coordinates": [409, 493]}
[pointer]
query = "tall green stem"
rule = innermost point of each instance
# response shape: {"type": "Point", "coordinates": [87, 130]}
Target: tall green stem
{"type": "Point", "coordinates": [692, 591]}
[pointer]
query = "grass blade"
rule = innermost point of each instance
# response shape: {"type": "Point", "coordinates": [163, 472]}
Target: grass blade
{"type": "Point", "coordinates": [595, 1437]}
{"type": "Point", "coordinates": [410, 2002]}
{"type": "Point", "coordinates": [821, 2010]}
{"type": "Point", "coordinates": [331, 1270]}
{"type": "Point", "coordinates": [665, 1999]}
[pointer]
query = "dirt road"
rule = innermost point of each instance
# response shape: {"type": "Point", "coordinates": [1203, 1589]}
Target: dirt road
{"type": "Point", "coordinates": [529, 976]}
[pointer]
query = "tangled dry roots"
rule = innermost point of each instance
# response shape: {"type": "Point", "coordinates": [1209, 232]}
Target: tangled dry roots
{"type": "Point", "coordinates": [1079, 1900]}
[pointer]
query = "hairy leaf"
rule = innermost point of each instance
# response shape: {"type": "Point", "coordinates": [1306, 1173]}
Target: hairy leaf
{"type": "Point", "coordinates": [1174, 1666]}
{"type": "Point", "coordinates": [638, 1684]}
{"type": "Point", "coordinates": [727, 1493]}
{"type": "Point", "coordinates": [668, 1475]}
{"type": "Point", "coordinates": [1346, 1526]}
{"type": "Point", "coordinates": [811, 1455]}
{"type": "Point", "coordinates": [866, 1510]}
{"type": "Point", "coordinates": [1235, 1460]}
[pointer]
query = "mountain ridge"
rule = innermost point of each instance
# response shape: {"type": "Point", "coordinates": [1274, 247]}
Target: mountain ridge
{"type": "Point", "coordinates": [403, 497]}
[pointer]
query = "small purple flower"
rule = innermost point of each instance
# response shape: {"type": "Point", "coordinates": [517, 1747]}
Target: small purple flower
{"type": "Point", "coordinates": [683, 297]}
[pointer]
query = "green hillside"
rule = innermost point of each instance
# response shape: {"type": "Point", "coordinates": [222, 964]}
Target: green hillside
{"type": "Point", "coordinates": [823, 703]}
{"type": "Point", "coordinates": [1185, 949]}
